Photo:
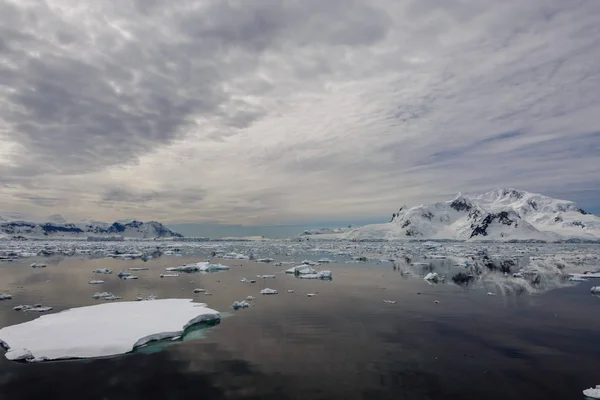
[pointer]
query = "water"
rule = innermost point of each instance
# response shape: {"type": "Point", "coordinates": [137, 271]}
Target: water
{"type": "Point", "coordinates": [344, 343]}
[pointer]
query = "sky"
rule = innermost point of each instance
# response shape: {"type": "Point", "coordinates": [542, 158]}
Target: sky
{"type": "Point", "coordinates": [270, 112]}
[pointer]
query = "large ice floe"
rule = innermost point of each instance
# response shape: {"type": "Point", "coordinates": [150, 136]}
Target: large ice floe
{"type": "Point", "coordinates": [592, 393]}
{"type": "Point", "coordinates": [102, 330]}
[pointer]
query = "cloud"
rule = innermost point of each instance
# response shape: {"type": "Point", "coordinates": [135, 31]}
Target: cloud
{"type": "Point", "coordinates": [287, 111]}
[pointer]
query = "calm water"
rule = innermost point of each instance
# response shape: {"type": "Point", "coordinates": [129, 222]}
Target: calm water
{"type": "Point", "coordinates": [345, 343]}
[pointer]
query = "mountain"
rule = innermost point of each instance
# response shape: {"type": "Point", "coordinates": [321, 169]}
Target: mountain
{"type": "Point", "coordinates": [85, 229]}
{"type": "Point", "coordinates": [499, 215]}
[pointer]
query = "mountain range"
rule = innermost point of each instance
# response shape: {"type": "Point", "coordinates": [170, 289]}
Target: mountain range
{"type": "Point", "coordinates": [56, 227]}
{"type": "Point", "coordinates": [497, 215]}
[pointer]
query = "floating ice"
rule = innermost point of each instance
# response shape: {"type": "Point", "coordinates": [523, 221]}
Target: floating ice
{"type": "Point", "coordinates": [593, 393]}
{"type": "Point", "coordinates": [34, 308]}
{"type": "Point", "coordinates": [5, 296]}
{"type": "Point", "coordinates": [324, 260]}
{"type": "Point", "coordinates": [138, 269]}
{"type": "Point", "coordinates": [243, 280]}
{"type": "Point", "coordinates": [318, 275]}
{"type": "Point", "coordinates": [105, 296]}
{"type": "Point", "coordinates": [290, 290]}
{"type": "Point", "coordinates": [250, 298]}
{"type": "Point", "coordinates": [265, 260]}
{"type": "Point", "coordinates": [595, 290]}
{"type": "Point", "coordinates": [586, 275]}
{"type": "Point", "coordinates": [432, 277]}
{"type": "Point", "coordinates": [82, 332]}
{"type": "Point", "coordinates": [239, 304]}
{"type": "Point", "coordinates": [199, 290]}
{"type": "Point", "coordinates": [300, 269]}
{"type": "Point", "coordinates": [311, 294]}
{"type": "Point", "coordinates": [199, 267]}
{"type": "Point", "coordinates": [168, 275]}
{"type": "Point", "coordinates": [390, 301]}
{"type": "Point", "coordinates": [105, 271]}
{"type": "Point", "coordinates": [37, 265]}
{"type": "Point", "coordinates": [95, 282]}
{"type": "Point", "coordinates": [490, 294]}
{"type": "Point", "coordinates": [130, 277]}
{"type": "Point", "coordinates": [149, 298]}
{"type": "Point", "coordinates": [268, 291]}
{"type": "Point", "coordinates": [268, 276]}
{"type": "Point", "coordinates": [123, 274]}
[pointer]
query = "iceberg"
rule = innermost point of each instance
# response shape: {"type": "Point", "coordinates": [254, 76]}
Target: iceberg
{"type": "Point", "coordinates": [593, 393]}
{"type": "Point", "coordinates": [82, 332]}
{"type": "Point", "coordinates": [268, 291]}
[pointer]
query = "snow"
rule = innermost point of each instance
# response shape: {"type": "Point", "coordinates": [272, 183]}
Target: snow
{"type": "Point", "coordinates": [102, 330]}
{"type": "Point", "coordinates": [497, 215]}
{"type": "Point", "coordinates": [593, 393]}
{"type": "Point", "coordinates": [268, 291]}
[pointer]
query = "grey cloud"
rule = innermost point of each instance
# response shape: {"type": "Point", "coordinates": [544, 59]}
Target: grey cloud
{"type": "Point", "coordinates": [168, 194]}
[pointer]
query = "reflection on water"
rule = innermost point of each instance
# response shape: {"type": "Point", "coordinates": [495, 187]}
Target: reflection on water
{"type": "Point", "coordinates": [344, 343]}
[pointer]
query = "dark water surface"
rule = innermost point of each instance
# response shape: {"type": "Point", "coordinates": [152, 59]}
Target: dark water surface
{"type": "Point", "coordinates": [345, 343]}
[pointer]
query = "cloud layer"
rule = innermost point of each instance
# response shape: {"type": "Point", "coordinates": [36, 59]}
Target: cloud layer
{"type": "Point", "coordinates": [269, 112]}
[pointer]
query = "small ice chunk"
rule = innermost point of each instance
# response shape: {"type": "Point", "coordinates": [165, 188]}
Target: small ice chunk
{"type": "Point", "coordinates": [250, 298]}
{"type": "Point", "coordinates": [593, 393]}
{"type": "Point", "coordinates": [203, 266]}
{"type": "Point", "coordinates": [20, 355]}
{"type": "Point", "coordinates": [130, 277]}
{"type": "Point", "coordinates": [432, 277]}
{"type": "Point", "coordinates": [290, 290]}
{"type": "Point", "coordinates": [207, 294]}
{"type": "Point", "coordinates": [35, 308]}
{"type": "Point", "coordinates": [300, 269]}
{"type": "Point", "coordinates": [101, 295]}
{"type": "Point", "coordinates": [517, 275]}
{"type": "Point", "coordinates": [38, 265]}
{"type": "Point", "coordinates": [390, 301]}
{"type": "Point", "coordinates": [168, 275]}
{"type": "Point", "coordinates": [243, 280]}
{"type": "Point", "coordinates": [105, 271]}
{"type": "Point", "coordinates": [138, 269]}
{"type": "Point", "coordinates": [123, 274]}
{"type": "Point", "coordinates": [268, 276]}
{"type": "Point", "coordinates": [490, 294]}
{"type": "Point", "coordinates": [239, 304]}
{"type": "Point", "coordinates": [112, 297]}
{"type": "Point", "coordinates": [436, 302]}
{"type": "Point", "coordinates": [595, 290]}
{"type": "Point", "coordinates": [318, 275]}
{"type": "Point", "coordinates": [265, 260]}
{"type": "Point", "coordinates": [252, 280]}
{"type": "Point", "coordinates": [199, 290]}
{"type": "Point", "coordinates": [324, 260]}
{"type": "Point", "coordinates": [311, 294]}
{"type": "Point", "coordinates": [95, 282]}
{"type": "Point", "coordinates": [268, 291]}
{"type": "Point", "coordinates": [5, 296]}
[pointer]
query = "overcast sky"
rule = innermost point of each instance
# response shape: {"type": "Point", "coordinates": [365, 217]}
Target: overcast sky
{"type": "Point", "coordinates": [276, 112]}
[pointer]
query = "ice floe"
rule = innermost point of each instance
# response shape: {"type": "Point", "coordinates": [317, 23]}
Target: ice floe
{"type": "Point", "coordinates": [592, 393]}
{"type": "Point", "coordinates": [96, 282]}
{"type": "Point", "coordinates": [268, 291]}
{"type": "Point", "coordinates": [432, 277]}
{"type": "Point", "coordinates": [239, 304]}
{"type": "Point", "coordinates": [34, 308]}
{"type": "Point", "coordinates": [82, 332]}
{"type": "Point", "coordinates": [199, 290]}
{"type": "Point", "coordinates": [38, 265]}
{"type": "Point", "coordinates": [595, 290]}
{"type": "Point", "coordinates": [326, 275]}
{"type": "Point", "coordinates": [105, 271]}
{"type": "Point", "coordinates": [168, 275]}
{"type": "Point", "coordinates": [4, 296]}
{"type": "Point", "coordinates": [390, 301]}
{"type": "Point", "coordinates": [105, 296]}
{"type": "Point", "coordinates": [199, 267]}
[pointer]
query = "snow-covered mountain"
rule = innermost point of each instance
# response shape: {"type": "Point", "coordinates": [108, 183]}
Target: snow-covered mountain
{"type": "Point", "coordinates": [83, 229]}
{"type": "Point", "coordinates": [501, 214]}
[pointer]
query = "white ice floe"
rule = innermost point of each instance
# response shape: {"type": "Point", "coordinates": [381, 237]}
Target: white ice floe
{"type": "Point", "coordinates": [324, 260]}
{"type": "Point", "coordinates": [105, 296]}
{"type": "Point", "coordinates": [265, 260]}
{"type": "Point", "coordinates": [595, 290]}
{"type": "Point", "coordinates": [318, 275]}
{"type": "Point", "coordinates": [268, 276]}
{"type": "Point", "coordinates": [95, 282]}
{"type": "Point", "coordinates": [593, 393]}
{"type": "Point", "coordinates": [586, 275]}
{"type": "Point", "coordinates": [138, 269]}
{"type": "Point", "coordinates": [199, 290]}
{"type": "Point", "coordinates": [240, 304]}
{"type": "Point", "coordinates": [130, 277]}
{"type": "Point", "coordinates": [203, 266]}
{"type": "Point", "coordinates": [250, 298]}
{"type": "Point", "coordinates": [243, 280]}
{"type": "Point", "coordinates": [123, 274]}
{"type": "Point", "coordinates": [268, 291]}
{"type": "Point", "coordinates": [149, 298]}
{"type": "Point", "coordinates": [82, 332]}
{"type": "Point", "coordinates": [290, 290]}
{"type": "Point", "coordinates": [105, 271]}
{"type": "Point", "coordinates": [38, 265]}
{"type": "Point", "coordinates": [490, 294]}
{"type": "Point", "coordinates": [311, 294]}
{"type": "Point", "coordinates": [300, 269]}
{"type": "Point", "coordinates": [34, 308]}
{"type": "Point", "coordinates": [168, 275]}
{"type": "Point", "coordinates": [577, 279]}
{"type": "Point", "coordinates": [432, 277]}
{"type": "Point", "coordinates": [390, 301]}
{"type": "Point", "coordinates": [5, 296]}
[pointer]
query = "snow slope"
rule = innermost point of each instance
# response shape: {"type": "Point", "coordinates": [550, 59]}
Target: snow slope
{"type": "Point", "coordinates": [500, 214]}
{"type": "Point", "coordinates": [102, 330]}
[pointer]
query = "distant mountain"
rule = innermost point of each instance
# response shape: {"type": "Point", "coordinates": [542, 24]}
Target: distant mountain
{"type": "Point", "coordinates": [499, 215]}
{"type": "Point", "coordinates": [84, 229]}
